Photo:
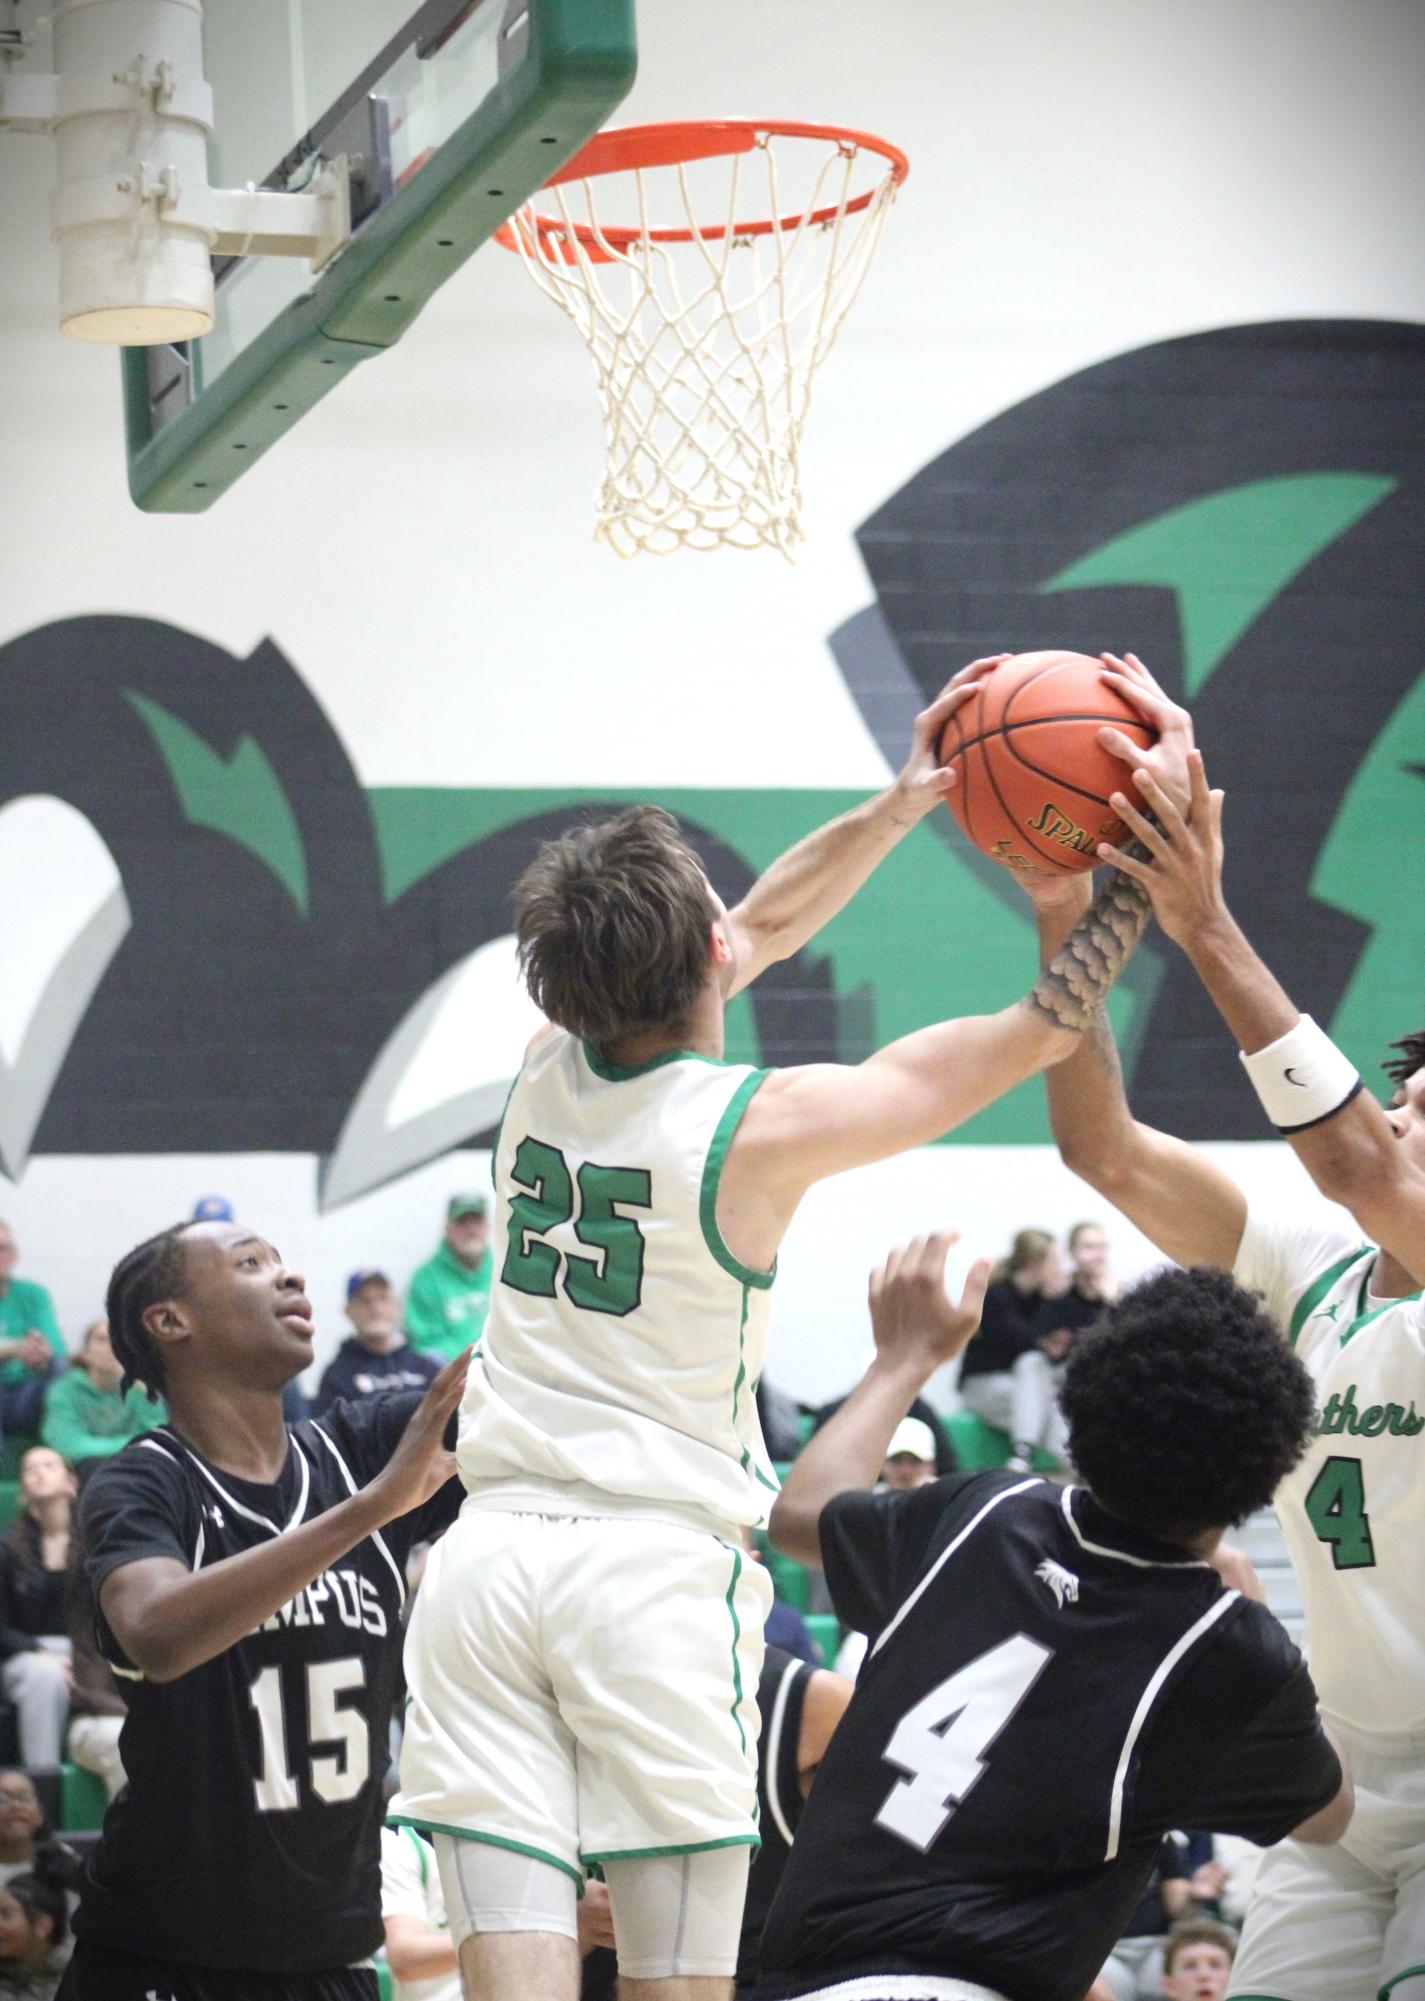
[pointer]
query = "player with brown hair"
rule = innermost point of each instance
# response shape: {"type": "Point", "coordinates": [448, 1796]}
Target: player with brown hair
{"type": "Point", "coordinates": [586, 1646]}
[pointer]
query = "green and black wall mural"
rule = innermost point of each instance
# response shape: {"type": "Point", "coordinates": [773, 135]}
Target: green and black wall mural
{"type": "Point", "coordinates": [1244, 508]}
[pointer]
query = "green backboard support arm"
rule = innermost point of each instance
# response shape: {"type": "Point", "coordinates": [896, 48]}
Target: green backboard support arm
{"type": "Point", "coordinates": [580, 66]}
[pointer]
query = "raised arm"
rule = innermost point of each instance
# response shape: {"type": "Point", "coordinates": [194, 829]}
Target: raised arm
{"type": "Point", "coordinates": [818, 1119]}
{"type": "Point", "coordinates": [169, 1619]}
{"type": "Point", "coordinates": [1184, 1204]}
{"type": "Point", "coordinates": [1352, 1149]}
{"type": "Point", "coordinates": [917, 1327]}
{"type": "Point", "coordinates": [808, 885]}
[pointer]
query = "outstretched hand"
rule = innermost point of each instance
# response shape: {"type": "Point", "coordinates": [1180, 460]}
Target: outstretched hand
{"type": "Point", "coordinates": [420, 1465]}
{"type": "Point", "coordinates": [1167, 759]}
{"type": "Point", "coordinates": [924, 781]}
{"type": "Point", "coordinates": [1183, 876]}
{"type": "Point", "coordinates": [913, 1319]}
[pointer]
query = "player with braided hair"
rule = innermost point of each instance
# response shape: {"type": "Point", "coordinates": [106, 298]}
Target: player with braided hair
{"type": "Point", "coordinates": [150, 1272]}
{"type": "Point", "coordinates": [250, 1579]}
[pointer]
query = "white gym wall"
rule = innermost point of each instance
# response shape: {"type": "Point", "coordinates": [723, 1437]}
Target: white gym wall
{"type": "Point", "coordinates": [1087, 176]}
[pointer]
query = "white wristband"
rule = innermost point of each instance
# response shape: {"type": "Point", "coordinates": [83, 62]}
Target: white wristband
{"type": "Point", "coordinates": [1302, 1077]}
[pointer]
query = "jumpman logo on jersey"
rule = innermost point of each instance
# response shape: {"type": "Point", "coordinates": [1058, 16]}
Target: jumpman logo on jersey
{"type": "Point", "coordinates": [1061, 1582]}
{"type": "Point", "coordinates": [215, 1515]}
{"type": "Point", "coordinates": [1327, 1312]}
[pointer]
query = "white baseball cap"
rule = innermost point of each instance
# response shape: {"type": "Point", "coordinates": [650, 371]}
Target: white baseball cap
{"type": "Point", "coordinates": [913, 1435]}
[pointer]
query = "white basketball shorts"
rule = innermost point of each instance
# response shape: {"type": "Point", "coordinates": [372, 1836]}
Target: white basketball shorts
{"type": "Point", "coordinates": [584, 1688]}
{"type": "Point", "coordinates": [1346, 1923]}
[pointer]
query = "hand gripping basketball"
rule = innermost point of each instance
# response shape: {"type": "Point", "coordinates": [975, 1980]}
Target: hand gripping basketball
{"type": "Point", "coordinates": [1033, 777]}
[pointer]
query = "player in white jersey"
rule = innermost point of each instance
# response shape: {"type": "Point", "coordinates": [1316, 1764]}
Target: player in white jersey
{"type": "Point", "coordinates": [585, 1651]}
{"type": "Point", "coordinates": [1348, 1923]}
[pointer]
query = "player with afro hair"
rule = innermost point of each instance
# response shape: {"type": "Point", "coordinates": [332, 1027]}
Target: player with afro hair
{"type": "Point", "coordinates": [1184, 1405]}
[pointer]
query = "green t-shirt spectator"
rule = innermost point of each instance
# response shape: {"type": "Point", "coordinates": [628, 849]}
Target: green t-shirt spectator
{"type": "Point", "coordinates": [26, 1307]}
{"type": "Point", "coordinates": [447, 1304]}
{"type": "Point", "coordinates": [83, 1421]}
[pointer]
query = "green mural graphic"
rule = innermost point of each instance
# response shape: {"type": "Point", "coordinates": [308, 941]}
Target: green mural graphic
{"type": "Point", "coordinates": [924, 939]}
{"type": "Point", "coordinates": [1228, 556]}
{"type": "Point", "coordinates": [1243, 505]}
{"type": "Point", "coordinates": [240, 796]}
{"type": "Point", "coordinates": [1382, 814]}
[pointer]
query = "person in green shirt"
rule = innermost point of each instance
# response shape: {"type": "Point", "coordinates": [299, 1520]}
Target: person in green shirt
{"type": "Point", "coordinates": [86, 1414]}
{"type": "Point", "coordinates": [31, 1345]}
{"type": "Point", "coordinates": [450, 1293]}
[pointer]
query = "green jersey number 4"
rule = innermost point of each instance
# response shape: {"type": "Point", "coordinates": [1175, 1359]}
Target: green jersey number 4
{"type": "Point", "coordinates": [612, 1281]}
{"type": "Point", "coordinates": [1336, 1509]}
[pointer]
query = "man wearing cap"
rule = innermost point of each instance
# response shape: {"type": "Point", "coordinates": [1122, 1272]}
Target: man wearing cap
{"type": "Point", "coordinates": [376, 1357]}
{"type": "Point", "coordinates": [450, 1293]}
{"type": "Point", "coordinates": [212, 1209]}
{"type": "Point", "coordinates": [910, 1456]}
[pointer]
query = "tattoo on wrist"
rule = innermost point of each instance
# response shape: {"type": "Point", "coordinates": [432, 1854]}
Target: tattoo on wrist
{"type": "Point", "coordinates": [1073, 986]}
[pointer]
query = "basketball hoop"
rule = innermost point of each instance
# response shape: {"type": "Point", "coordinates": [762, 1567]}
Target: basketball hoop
{"type": "Point", "coordinates": [706, 333]}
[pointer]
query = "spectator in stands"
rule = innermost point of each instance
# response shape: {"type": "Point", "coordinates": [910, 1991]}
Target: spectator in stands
{"type": "Point", "coordinates": [1134, 1970]}
{"type": "Point", "coordinates": [35, 1943]}
{"type": "Point", "coordinates": [31, 1346]}
{"type": "Point", "coordinates": [86, 1414]}
{"type": "Point", "coordinates": [1197, 1960]}
{"type": "Point", "coordinates": [377, 1355]}
{"type": "Point", "coordinates": [450, 1293]}
{"type": "Point", "coordinates": [25, 1837]}
{"type": "Point", "coordinates": [34, 1606]}
{"type": "Point", "coordinates": [945, 1460]}
{"type": "Point", "coordinates": [96, 1702]}
{"type": "Point", "coordinates": [910, 1457]}
{"type": "Point", "coordinates": [1007, 1376]}
{"type": "Point", "coordinates": [1091, 1288]}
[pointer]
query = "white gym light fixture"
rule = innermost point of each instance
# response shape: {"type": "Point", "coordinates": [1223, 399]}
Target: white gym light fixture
{"type": "Point", "coordinates": [133, 216]}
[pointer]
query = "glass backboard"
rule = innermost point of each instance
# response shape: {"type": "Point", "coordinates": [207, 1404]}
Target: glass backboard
{"type": "Point", "coordinates": [448, 115]}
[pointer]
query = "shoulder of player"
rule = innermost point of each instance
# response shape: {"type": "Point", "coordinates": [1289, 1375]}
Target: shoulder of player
{"type": "Point", "coordinates": [150, 1476]}
{"type": "Point", "coordinates": [151, 1465]}
{"type": "Point", "coordinates": [362, 1432]}
{"type": "Point", "coordinates": [1248, 1647]}
{"type": "Point", "coordinates": [1305, 1248]}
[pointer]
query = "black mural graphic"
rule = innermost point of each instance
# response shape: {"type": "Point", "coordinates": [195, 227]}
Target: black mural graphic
{"type": "Point", "coordinates": [1246, 510]}
{"type": "Point", "coordinates": [260, 971]}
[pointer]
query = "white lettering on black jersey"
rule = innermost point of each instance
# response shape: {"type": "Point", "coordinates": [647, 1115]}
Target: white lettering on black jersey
{"type": "Point", "coordinates": [248, 1836]}
{"type": "Point", "coordinates": [1046, 1693]}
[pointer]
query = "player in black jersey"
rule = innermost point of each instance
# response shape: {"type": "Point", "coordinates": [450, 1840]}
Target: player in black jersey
{"type": "Point", "coordinates": [1056, 1676]}
{"type": "Point", "coordinates": [799, 1706]}
{"type": "Point", "coordinates": [251, 1580]}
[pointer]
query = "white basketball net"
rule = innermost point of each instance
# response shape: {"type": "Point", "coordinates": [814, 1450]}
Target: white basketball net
{"type": "Point", "coordinates": [705, 350]}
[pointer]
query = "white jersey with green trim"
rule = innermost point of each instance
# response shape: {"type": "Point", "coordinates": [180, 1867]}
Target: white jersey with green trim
{"type": "Point", "coordinates": [1353, 1511]}
{"type": "Point", "coordinates": [620, 1359]}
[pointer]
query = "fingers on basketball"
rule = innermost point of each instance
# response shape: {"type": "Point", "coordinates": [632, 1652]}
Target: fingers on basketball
{"type": "Point", "coordinates": [1033, 779]}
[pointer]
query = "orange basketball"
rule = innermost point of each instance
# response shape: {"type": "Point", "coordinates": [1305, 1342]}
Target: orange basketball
{"type": "Point", "coordinates": [1033, 781]}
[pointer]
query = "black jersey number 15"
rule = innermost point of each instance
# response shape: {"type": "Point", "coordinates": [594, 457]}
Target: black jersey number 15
{"type": "Point", "coordinates": [612, 1282]}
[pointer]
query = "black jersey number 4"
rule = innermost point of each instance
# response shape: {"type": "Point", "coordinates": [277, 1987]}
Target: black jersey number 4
{"type": "Point", "coordinates": [940, 1743]}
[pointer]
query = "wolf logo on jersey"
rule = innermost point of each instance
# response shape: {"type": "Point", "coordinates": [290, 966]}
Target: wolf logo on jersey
{"type": "Point", "coordinates": [1063, 1583]}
